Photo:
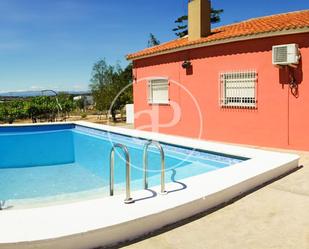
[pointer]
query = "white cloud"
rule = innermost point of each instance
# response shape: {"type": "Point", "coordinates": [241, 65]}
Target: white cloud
{"type": "Point", "coordinates": [55, 87]}
{"type": "Point", "coordinates": [36, 88]}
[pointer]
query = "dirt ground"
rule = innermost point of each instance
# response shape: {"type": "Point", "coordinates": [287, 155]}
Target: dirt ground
{"type": "Point", "coordinates": [98, 119]}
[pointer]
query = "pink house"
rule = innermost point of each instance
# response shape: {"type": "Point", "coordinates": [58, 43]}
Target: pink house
{"type": "Point", "coordinates": [245, 83]}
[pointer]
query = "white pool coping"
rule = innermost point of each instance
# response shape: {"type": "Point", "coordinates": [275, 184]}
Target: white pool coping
{"type": "Point", "coordinates": [108, 221]}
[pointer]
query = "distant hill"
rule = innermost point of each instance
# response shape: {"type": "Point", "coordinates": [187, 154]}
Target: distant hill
{"type": "Point", "coordinates": [25, 94]}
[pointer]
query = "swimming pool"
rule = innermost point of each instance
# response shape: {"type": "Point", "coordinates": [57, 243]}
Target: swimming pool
{"type": "Point", "coordinates": [60, 163]}
{"type": "Point", "coordinates": [56, 177]}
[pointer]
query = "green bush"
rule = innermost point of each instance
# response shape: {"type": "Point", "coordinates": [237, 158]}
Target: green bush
{"type": "Point", "coordinates": [39, 108]}
{"type": "Point", "coordinates": [12, 110]}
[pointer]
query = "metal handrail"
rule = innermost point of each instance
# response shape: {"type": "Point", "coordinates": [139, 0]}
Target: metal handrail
{"type": "Point", "coordinates": [2, 205]}
{"type": "Point", "coordinates": [145, 157]}
{"type": "Point", "coordinates": [128, 199]}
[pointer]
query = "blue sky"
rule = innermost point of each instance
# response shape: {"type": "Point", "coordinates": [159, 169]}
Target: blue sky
{"type": "Point", "coordinates": [54, 43]}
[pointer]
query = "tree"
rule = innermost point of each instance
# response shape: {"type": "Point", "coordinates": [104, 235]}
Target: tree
{"type": "Point", "coordinates": [182, 22]}
{"type": "Point", "coordinates": [80, 103]}
{"type": "Point", "coordinates": [67, 103]}
{"type": "Point", "coordinates": [125, 87]}
{"type": "Point", "coordinates": [102, 76]}
{"type": "Point", "coordinates": [182, 26]}
{"type": "Point", "coordinates": [153, 41]}
{"type": "Point", "coordinates": [107, 82]}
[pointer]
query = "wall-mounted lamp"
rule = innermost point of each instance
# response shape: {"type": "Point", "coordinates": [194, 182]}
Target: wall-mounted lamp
{"type": "Point", "coordinates": [186, 64]}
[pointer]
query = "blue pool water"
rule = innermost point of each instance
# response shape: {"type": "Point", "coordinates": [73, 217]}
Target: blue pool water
{"type": "Point", "coordinates": [56, 161]}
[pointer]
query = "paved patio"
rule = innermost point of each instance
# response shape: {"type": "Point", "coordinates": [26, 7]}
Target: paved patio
{"type": "Point", "coordinates": [275, 216]}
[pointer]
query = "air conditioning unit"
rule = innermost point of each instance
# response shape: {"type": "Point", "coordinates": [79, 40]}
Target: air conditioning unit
{"type": "Point", "coordinates": [287, 54]}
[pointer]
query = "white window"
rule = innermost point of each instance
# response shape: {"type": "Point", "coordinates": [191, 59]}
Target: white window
{"type": "Point", "coordinates": [158, 91]}
{"type": "Point", "coordinates": [238, 89]}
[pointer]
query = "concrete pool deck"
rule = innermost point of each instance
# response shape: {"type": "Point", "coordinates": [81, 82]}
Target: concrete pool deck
{"type": "Point", "coordinates": [275, 216]}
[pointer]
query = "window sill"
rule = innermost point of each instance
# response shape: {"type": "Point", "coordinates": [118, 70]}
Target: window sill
{"type": "Point", "coordinates": [163, 104]}
{"type": "Point", "coordinates": [239, 107]}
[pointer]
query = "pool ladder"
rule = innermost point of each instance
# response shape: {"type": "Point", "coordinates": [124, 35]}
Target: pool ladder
{"type": "Point", "coordinates": [128, 198]}
{"type": "Point", "coordinates": [2, 205]}
{"type": "Point", "coordinates": [145, 161]}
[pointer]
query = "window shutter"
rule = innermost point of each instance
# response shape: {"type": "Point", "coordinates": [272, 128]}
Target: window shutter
{"type": "Point", "coordinates": [159, 91]}
{"type": "Point", "coordinates": [149, 92]}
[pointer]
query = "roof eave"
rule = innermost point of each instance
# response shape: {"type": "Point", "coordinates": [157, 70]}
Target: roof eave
{"type": "Point", "coordinates": [223, 41]}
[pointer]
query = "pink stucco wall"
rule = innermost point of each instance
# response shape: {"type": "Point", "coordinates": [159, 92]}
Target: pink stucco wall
{"type": "Point", "coordinates": [280, 120]}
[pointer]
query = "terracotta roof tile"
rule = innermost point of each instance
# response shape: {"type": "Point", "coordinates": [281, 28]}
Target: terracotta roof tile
{"type": "Point", "coordinates": [267, 24]}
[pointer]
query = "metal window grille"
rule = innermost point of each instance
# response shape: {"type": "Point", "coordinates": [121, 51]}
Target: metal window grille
{"type": "Point", "coordinates": [158, 91]}
{"type": "Point", "coordinates": [238, 89]}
